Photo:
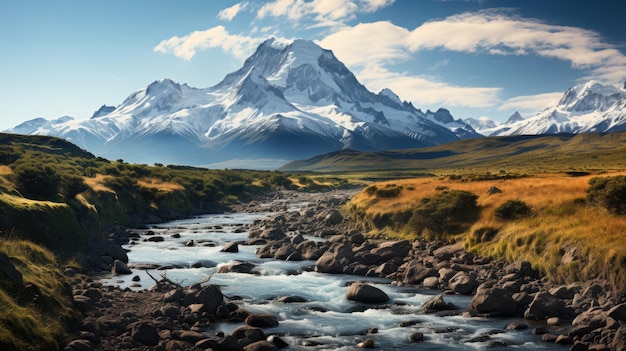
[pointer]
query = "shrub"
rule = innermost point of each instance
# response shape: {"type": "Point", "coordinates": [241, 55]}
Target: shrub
{"type": "Point", "coordinates": [608, 192]}
{"type": "Point", "coordinates": [445, 212]}
{"type": "Point", "coordinates": [388, 192]}
{"type": "Point", "coordinates": [512, 209]}
{"type": "Point", "coordinates": [37, 181]}
{"type": "Point", "coordinates": [72, 185]}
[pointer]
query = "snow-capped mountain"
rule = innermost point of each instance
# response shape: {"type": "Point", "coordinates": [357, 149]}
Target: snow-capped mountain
{"type": "Point", "coordinates": [481, 123]}
{"type": "Point", "coordinates": [288, 101]}
{"type": "Point", "coordinates": [587, 107]}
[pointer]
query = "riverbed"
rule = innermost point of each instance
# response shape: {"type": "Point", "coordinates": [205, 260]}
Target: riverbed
{"type": "Point", "coordinates": [189, 251]}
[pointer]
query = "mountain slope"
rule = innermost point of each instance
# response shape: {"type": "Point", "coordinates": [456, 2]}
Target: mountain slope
{"type": "Point", "coordinates": [288, 101]}
{"type": "Point", "coordinates": [523, 153]}
{"type": "Point", "coordinates": [584, 108]}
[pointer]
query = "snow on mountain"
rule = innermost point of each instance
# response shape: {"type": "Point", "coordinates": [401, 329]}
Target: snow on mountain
{"type": "Point", "coordinates": [587, 107]}
{"type": "Point", "coordinates": [481, 123]}
{"type": "Point", "coordinates": [289, 100]}
{"type": "Point", "coordinates": [515, 117]}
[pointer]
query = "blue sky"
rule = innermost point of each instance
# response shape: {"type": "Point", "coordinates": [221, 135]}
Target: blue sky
{"type": "Point", "coordinates": [475, 58]}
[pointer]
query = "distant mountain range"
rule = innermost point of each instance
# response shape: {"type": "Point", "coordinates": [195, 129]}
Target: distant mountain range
{"type": "Point", "coordinates": [289, 101]}
{"type": "Point", "coordinates": [296, 100]}
{"type": "Point", "coordinates": [589, 107]}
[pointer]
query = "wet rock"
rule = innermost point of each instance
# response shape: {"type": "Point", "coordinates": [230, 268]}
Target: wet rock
{"type": "Point", "coordinates": [366, 344]}
{"type": "Point", "coordinates": [564, 340]}
{"type": "Point", "coordinates": [115, 251]}
{"type": "Point", "coordinates": [236, 267]}
{"type": "Point", "coordinates": [277, 341]}
{"type": "Point", "coordinates": [437, 303]}
{"type": "Point", "coordinates": [291, 299]}
{"type": "Point", "coordinates": [156, 239]}
{"type": "Point", "coordinates": [231, 247]}
{"type": "Point", "coordinates": [210, 296]}
{"type": "Point", "coordinates": [579, 346]}
{"type": "Point", "coordinates": [189, 336]}
{"type": "Point", "coordinates": [335, 259]}
{"type": "Point", "coordinates": [84, 303]}
{"type": "Point", "coordinates": [120, 267]}
{"type": "Point", "coordinates": [247, 335]}
{"type": "Point", "coordinates": [431, 283]}
{"type": "Point", "coordinates": [262, 320]}
{"type": "Point", "coordinates": [333, 217]}
{"type": "Point", "coordinates": [262, 345]}
{"type": "Point", "coordinates": [365, 293]}
{"type": "Point", "coordinates": [416, 337]}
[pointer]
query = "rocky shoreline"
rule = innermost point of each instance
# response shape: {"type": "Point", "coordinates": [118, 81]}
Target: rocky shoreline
{"type": "Point", "coordinates": [584, 316]}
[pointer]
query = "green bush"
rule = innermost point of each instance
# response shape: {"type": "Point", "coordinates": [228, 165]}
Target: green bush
{"type": "Point", "coordinates": [512, 209]}
{"type": "Point", "coordinates": [446, 212]}
{"type": "Point", "coordinates": [608, 192]}
{"type": "Point", "coordinates": [36, 180]}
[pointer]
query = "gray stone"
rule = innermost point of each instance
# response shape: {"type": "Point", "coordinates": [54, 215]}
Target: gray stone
{"type": "Point", "coordinates": [120, 267]}
{"type": "Point", "coordinates": [145, 333]}
{"type": "Point", "coordinates": [361, 292]}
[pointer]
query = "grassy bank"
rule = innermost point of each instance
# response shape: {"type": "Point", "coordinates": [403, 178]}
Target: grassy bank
{"type": "Point", "coordinates": [562, 234]}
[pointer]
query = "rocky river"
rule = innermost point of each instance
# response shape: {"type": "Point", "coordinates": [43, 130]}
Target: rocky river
{"type": "Point", "coordinates": [290, 273]}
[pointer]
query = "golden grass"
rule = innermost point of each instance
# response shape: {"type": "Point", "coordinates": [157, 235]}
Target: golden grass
{"type": "Point", "coordinates": [560, 222]}
{"type": "Point", "coordinates": [24, 203]}
{"type": "Point", "coordinates": [97, 183]}
{"type": "Point", "coordinates": [37, 324]}
{"type": "Point", "coordinates": [154, 183]}
{"type": "Point", "coordinates": [5, 170]}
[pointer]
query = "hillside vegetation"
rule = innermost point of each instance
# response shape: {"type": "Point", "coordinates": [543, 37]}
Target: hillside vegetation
{"type": "Point", "coordinates": [525, 154]}
{"type": "Point", "coordinates": [570, 226]}
{"type": "Point", "coordinates": [56, 199]}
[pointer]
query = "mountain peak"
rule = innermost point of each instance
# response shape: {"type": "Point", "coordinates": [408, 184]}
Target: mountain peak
{"type": "Point", "coordinates": [103, 111]}
{"type": "Point", "coordinates": [515, 117]}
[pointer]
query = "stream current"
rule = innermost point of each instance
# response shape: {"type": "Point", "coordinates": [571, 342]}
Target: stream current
{"type": "Point", "coordinates": [326, 320]}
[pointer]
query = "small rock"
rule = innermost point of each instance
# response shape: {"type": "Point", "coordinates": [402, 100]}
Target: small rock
{"type": "Point", "coordinates": [262, 320]}
{"type": "Point", "coordinates": [366, 344]}
{"type": "Point", "coordinates": [361, 292]}
{"type": "Point", "coordinates": [120, 267]}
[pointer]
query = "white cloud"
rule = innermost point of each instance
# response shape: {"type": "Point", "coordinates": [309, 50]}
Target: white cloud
{"type": "Point", "coordinates": [369, 6]}
{"type": "Point", "coordinates": [531, 103]}
{"type": "Point", "coordinates": [500, 33]}
{"type": "Point", "coordinates": [323, 13]}
{"type": "Point", "coordinates": [217, 37]}
{"type": "Point", "coordinates": [229, 13]}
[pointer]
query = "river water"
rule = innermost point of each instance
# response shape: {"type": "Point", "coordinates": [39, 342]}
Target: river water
{"type": "Point", "coordinates": [327, 320]}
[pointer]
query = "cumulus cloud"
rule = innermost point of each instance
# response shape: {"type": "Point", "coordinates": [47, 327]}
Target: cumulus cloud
{"type": "Point", "coordinates": [187, 46]}
{"type": "Point", "coordinates": [229, 13]}
{"type": "Point", "coordinates": [531, 103]}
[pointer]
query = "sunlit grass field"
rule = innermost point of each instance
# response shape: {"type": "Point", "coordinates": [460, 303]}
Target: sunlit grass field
{"type": "Point", "coordinates": [564, 236]}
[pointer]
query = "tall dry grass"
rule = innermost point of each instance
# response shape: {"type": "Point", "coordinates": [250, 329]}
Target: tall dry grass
{"type": "Point", "coordinates": [564, 237]}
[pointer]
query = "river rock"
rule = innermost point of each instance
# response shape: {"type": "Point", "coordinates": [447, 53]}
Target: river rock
{"type": "Point", "coordinates": [618, 312]}
{"type": "Point", "coordinates": [415, 273]}
{"type": "Point", "coordinates": [361, 292]}
{"type": "Point", "coordinates": [115, 251]}
{"type": "Point", "coordinates": [231, 247]}
{"type": "Point", "coordinates": [247, 335]}
{"type": "Point", "coordinates": [588, 321]}
{"type": "Point", "coordinates": [189, 336]}
{"type": "Point", "coordinates": [262, 320]}
{"type": "Point", "coordinates": [392, 251]}
{"type": "Point", "coordinates": [333, 217]}
{"type": "Point", "coordinates": [619, 340]}
{"type": "Point", "coordinates": [262, 345]}
{"type": "Point", "coordinates": [463, 283]}
{"type": "Point", "coordinates": [436, 304]}
{"type": "Point", "coordinates": [120, 267]}
{"type": "Point", "coordinates": [335, 259]}
{"type": "Point", "coordinates": [210, 296]}
{"type": "Point", "coordinates": [493, 301]}
{"type": "Point", "coordinates": [544, 306]}
{"type": "Point", "coordinates": [236, 267]}
{"type": "Point", "coordinates": [145, 333]}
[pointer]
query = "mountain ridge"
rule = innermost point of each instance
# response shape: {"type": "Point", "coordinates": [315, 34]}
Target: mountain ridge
{"type": "Point", "coordinates": [287, 101]}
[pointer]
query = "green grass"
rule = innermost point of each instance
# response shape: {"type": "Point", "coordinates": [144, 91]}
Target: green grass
{"type": "Point", "coordinates": [523, 154]}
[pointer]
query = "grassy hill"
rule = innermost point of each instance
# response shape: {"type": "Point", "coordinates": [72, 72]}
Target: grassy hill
{"type": "Point", "coordinates": [527, 154]}
{"type": "Point", "coordinates": [56, 198]}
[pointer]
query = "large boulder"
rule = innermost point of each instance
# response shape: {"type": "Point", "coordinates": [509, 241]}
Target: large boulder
{"type": "Point", "coordinates": [361, 292]}
{"type": "Point", "coordinates": [544, 306]}
{"type": "Point", "coordinates": [493, 301]}
{"type": "Point", "coordinates": [210, 296]}
{"type": "Point", "coordinates": [463, 283]}
{"type": "Point", "coordinates": [588, 321]}
{"type": "Point", "coordinates": [618, 312]}
{"type": "Point", "coordinates": [392, 250]}
{"type": "Point", "coordinates": [120, 267]}
{"type": "Point", "coordinates": [416, 272]}
{"type": "Point", "coordinates": [262, 320]}
{"type": "Point", "coordinates": [336, 259]}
